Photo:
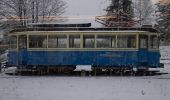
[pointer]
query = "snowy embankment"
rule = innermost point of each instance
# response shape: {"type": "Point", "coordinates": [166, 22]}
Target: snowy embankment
{"type": "Point", "coordinates": [165, 54]}
{"type": "Point", "coordinates": [165, 58]}
{"type": "Point", "coordinates": [87, 88]}
{"type": "Point", "coordinates": [3, 57]}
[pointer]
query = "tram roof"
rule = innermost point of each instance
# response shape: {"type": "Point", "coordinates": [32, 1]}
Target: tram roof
{"type": "Point", "coordinates": [82, 29]}
{"type": "Point", "coordinates": [77, 27]}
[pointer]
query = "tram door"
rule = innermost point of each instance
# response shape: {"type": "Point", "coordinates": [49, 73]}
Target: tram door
{"type": "Point", "coordinates": [22, 46]}
{"type": "Point", "coordinates": [143, 50]}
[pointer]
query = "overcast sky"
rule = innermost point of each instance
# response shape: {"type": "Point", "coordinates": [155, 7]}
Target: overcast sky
{"type": "Point", "coordinates": [86, 7]}
{"type": "Point", "coordinates": [86, 10]}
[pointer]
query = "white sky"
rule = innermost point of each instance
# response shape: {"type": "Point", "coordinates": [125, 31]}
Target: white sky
{"type": "Point", "coordinates": [86, 7]}
{"type": "Point", "coordinates": [86, 10]}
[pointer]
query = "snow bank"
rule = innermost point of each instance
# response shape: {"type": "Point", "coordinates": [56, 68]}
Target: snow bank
{"type": "Point", "coordinates": [165, 54]}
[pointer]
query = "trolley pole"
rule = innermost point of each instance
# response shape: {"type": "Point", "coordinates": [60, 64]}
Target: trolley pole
{"type": "Point", "coordinates": [140, 5]}
{"type": "Point", "coordinates": [0, 67]}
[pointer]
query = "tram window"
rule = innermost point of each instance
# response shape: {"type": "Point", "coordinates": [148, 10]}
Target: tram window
{"type": "Point", "coordinates": [88, 41]}
{"type": "Point", "coordinates": [126, 41]}
{"type": "Point", "coordinates": [106, 41]}
{"type": "Point", "coordinates": [37, 41]}
{"type": "Point", "coordinates": [22, 41]}
{"type": "Point", "coordinates": [13, 42]}
{"type": "Point", "coordinates": [153, 42]}
{"type": "Point", "coordinates": [57, 41]}
{"type": "Point", "coordinates": [74, 41]}
{"type": "Point", "coordinates": [143, 42]}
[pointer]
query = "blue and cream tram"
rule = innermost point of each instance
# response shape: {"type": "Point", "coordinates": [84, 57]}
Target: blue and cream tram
{"type": "Point", "coordinates": [64, 48]}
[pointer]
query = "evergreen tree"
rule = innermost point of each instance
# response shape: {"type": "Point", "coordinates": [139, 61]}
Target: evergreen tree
{"type": "Point", "coordinates": [163, 20]}
{"type": "Point", "coordinates": [122, 12]}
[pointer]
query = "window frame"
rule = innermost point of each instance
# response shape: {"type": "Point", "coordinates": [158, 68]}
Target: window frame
{"type": "Point", "coordinates": [64, 36]}
{"type": "Point", "coordinates": [147, 40]}
{"type": "Point", "coordinates": [151, 42]}
{"type": "Point", "coordinates": [91, 37]}
{"type": "Point", "coordinates": [111, 40]}
{"type": "Point", "coordinates": [21, 40]}
{"type": "Point", "coordinates": [73, 45]}
{"type": "Point", "coordinates": [42, 42]}
{"type": "Point", "coordinates": [127, 36]}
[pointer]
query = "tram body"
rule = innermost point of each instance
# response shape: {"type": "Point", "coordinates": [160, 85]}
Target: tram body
{"type": "Point", "coordinates": [99, 48]}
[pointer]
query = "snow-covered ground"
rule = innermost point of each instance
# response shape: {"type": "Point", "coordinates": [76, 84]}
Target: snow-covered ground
{"type": "Point", "coordinates": [87, 88]}
{"type": "Point", "coordinates": [84, 88]}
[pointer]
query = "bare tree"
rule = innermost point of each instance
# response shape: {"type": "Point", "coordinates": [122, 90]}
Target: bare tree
{"type": "Point", "coordinates": [47, 8]}
{"type": "Point", "coordinates": [143, 10]}
{"type": "Point", "coordinates": [13, 9]}
{"type": "Point", "coordinates": [31, 10]}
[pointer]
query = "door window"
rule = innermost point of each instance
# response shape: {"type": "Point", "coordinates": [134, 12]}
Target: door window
{"type": "Point", "coordinates": [154, 42]}
{"type": "Point", "coordinates": [13, 42]}
{"type": "Point", "coordinates": [143, 41]}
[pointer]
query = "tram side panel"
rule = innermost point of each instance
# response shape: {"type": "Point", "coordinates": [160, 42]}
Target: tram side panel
{"type": "Point", "coordinates": [13, 58]}
{"type": "Point", "coordinates": [154, 59]}
{"type": "Point", "coordinates": [100, 58]}
{"type": "Point", "coordinates": [149, 59]}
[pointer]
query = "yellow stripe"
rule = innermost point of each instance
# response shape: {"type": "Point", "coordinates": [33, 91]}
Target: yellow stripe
{"type": "Point", "coordinates": [81, 32]}
{"type": "Point", "coordinates": [79, 49]}
{"type": "Point", "coordinates": [157, 50]}
{"type": "Point", "coordinates": [84, 32]}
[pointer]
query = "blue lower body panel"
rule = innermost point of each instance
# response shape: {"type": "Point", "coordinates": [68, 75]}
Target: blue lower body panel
{"type": "Point", "coordinates": [154, 59]}
{"type": "Point", "coordinates": [101, 58]}
{"type": "Point", "coordinates": [13, 58]}
{"type": "Point", "coordinates": [115, 58]}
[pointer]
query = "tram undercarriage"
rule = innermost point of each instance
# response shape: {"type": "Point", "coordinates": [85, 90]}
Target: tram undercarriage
{"type": "Point", "coordinates": [95, 71]}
